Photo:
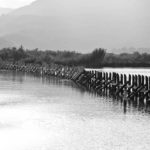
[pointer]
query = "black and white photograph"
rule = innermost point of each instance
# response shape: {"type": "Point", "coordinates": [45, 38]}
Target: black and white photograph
{"type": "Point", "coordinates": [74, 74]}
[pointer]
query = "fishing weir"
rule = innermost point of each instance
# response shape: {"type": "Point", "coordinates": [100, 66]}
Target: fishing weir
{"type": "Point", "coordinates": [129, 87]}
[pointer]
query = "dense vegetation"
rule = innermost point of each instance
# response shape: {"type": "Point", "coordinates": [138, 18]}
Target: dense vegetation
{"type": "Point", "coordinates": [98, 58]}
{"type": "Point", "coordinates": [45, 58]}
{"type": "Point", "coordinates": [135, 59]}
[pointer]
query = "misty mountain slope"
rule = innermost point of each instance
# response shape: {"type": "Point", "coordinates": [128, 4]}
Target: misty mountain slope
{"type": "Point", "coordinates": [58, 7]}
{"type": "Point", "coordinates": [58, 33]}
{"type": "Point", "coordinates": [77, 25]}
{"type": "Point", "coordinates": [4, 11]}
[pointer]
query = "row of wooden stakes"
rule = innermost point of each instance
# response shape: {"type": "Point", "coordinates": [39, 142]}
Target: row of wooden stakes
{"type": "Point", "coordinates": [128, 86]}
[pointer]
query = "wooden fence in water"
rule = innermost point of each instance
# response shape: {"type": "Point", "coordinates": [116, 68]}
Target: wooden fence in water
{"type": "Point", "coordinates": [128, 86]}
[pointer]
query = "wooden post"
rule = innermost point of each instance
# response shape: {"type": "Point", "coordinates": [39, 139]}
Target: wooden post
{"type": "Point", "coordinates": [136, 80]}
{"type": "Point", "coordinates": [149, 84]}
{"type": "Point", "coordinates": [114, 76]}
{"type": "Point", "coordinates": [121, 80]}
{"type": "Point", "coordinates": [106, 79]}
{"type": "Point", "coordinates": [133, 80]}
{"type": "Point", "coordinates": [146, 80]}
{"type": "Point", "coordinates": [129, 79]}
{"type": "Point", "coordinates": [142, 80]}
{"type": "Point", "coordinates": [125, 79]}
{"type": "Point", "coordinates": [104, 76]}
{"type": "Point", "coordinates": [109, 76]}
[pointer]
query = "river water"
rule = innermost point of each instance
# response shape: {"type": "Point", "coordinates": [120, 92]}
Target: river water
{"type": "Point", "coordinates": [127, 71]}
{"type": "Point", "coordinates": [43, 113]}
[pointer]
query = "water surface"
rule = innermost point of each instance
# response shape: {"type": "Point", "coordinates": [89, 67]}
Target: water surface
{"type": "Point", "coordinates": [124, 70]}
{"type": "Point", "coordinates": [43, 113]}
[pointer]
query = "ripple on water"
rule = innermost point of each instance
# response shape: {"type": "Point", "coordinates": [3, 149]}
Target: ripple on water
{"type": "Point", "coordinates": [44, 114]}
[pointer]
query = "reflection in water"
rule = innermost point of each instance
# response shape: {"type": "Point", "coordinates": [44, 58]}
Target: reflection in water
{"type": "Point", "coordinates": [46, 113]}
{"type": "Point", "coordinates": [125, 106]}
{"type": "Point", "coordinates": [128, 105]}
{"type": "Point", "coordinates": [12, 75]}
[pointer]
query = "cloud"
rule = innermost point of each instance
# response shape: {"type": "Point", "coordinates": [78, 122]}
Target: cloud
{"type": "Point", "coordinates": [14, 3]}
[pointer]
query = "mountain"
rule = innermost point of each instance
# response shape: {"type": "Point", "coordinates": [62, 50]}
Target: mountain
{"type": "Point", "coordinates": [80, 25]}
{"type": "Point", "coordinates": [4, 11]}
{"type": "Point", "coordinates": [60, 7]}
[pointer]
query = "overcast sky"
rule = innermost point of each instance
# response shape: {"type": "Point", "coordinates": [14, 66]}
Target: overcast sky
{"type": "Point", "coordinates": [142, 4]}
{"type": "Point", "coordinates": [20, 3]}
{"type": "Point", "coordinates": [14, 3]}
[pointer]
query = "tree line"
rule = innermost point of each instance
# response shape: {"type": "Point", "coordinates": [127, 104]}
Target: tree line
{"type": "Point", "coordinates": [96, 59]}
{"type": "Point", "coordinates": [45, 58]}
{"type": "Point", "coordinates": [134, 59]}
